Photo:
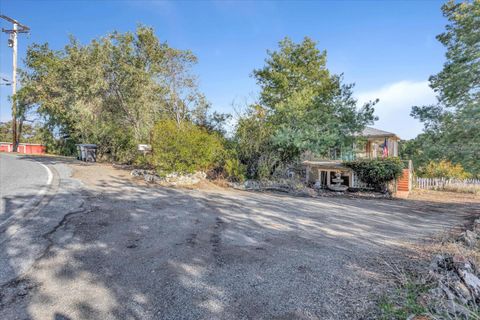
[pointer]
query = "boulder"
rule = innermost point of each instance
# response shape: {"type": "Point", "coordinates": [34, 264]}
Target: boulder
{"type": "Point", "coordinates": [251, 185]}
{"type": "Point", "coordinates": [469, 238]}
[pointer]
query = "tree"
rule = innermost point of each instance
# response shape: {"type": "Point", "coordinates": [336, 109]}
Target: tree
{"type": "Point", "coordinates": [110, 91]}
{"type": "Point", "coordinates": [30, 133]}
{"type": "Point", "coordinates": [303, 107]}
{"type": "Point", "coordinates": [253, 141]}
{"type": "Point", "coordinates": [25, 114]}
{"type": "Point", "coordinates": [309, 108]}
{"type": "Point", "coordinates": [452, 125]}
{"type": "Point", "coordinates": [444, 169]}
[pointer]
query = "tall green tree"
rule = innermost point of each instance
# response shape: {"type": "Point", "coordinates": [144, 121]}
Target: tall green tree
{"type": "Point", "coordinates": [302, 107]}
{"type": "Point", "coordinates": [309, 108]}
{"type": "Point", "coordinates": [111, 91]}
{"type": "Point", "coordinates": [253, 139]}
{"type": "Point", "coordinates": [452, 125]}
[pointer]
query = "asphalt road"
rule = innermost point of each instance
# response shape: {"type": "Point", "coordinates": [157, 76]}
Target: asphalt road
{"type": "Point", "coordinates": [112, 249]}
{"type": "Point", "coordinates": [21, 180]}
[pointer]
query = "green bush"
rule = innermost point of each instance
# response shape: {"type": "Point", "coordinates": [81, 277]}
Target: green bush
{"type": "Point", "coordinates": [444, 169]}
{"type": "Point", "coordinates": [234, 169]}
{"type": "Point", "coordinates": [377, 172]}
{"type": "Point", "coordinates": [184, 148]}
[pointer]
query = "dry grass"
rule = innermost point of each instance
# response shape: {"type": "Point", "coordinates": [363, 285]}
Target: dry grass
{"type": "Point", "coordinates": [444, 196]}
{"type": "Point", "coordinates": [462, 188]}
{"type": "Point", "coordinates": [414, 280]}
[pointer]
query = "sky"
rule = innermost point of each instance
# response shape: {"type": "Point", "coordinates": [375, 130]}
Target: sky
{"type": "Point", "coordinates": [387, 48]}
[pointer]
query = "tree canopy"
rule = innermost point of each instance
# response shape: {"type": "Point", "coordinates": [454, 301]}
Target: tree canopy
{"type": "Point", "coordinates": [309, 108]}
{"type": "Point", "coordinates": [111, 91]}
{"type": "Point", "coordinates": [452, 125]}
{"type": "Point", "coordinates": [302, 107]}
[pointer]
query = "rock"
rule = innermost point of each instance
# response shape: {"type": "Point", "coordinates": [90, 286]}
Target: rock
{"type": "Point", "coordinates": [469, 238]}
{"type": "Point", "coordinates": [476, 226]}
{"type": "Point", "coordinates": [472, 282]}
{"type": "Point", "coordinates": [306, 192]}
{"type": "Point", "coordinates": [151, 178]}
{"type": "Point", "coordinates": [251, 185]}
{"type": "Point", "coordinates": [458, 284]}
{"type": "Point", "coordinates": [462, 292]}
{"type": "Point", "coordinates": [236, 185]}
{"type": "Point", "coordinates": [175, 178]}
{"type": "Point", "coordinates": [137, 172]}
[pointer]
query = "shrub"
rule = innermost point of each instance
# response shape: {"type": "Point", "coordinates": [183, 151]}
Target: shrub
{"type": "Point", "coordinates": [184, 148]}
{"type": "Point", "coordinates": [377, 172]}
{"type": "Point", "coordinates": [234, 170]}
{"type": "Point", "coordinates": [444, 169]}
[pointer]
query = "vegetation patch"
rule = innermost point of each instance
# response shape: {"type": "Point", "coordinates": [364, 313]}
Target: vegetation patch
{"type": "Point", "coordinates": [184, 148]}
{"type": "Point", "coordinates": [447, 288]}
{"type": "Point", "coordinates": [405, 301]}
{"type": "Point", "coordinates": [377, 172]}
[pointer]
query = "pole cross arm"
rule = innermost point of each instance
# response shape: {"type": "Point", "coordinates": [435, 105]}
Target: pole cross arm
{"type": "Point", "coordinates": [21, 27]}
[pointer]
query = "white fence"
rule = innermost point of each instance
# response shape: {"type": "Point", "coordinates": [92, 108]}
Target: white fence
{"type": "Point", "coordinates": [443, 183]}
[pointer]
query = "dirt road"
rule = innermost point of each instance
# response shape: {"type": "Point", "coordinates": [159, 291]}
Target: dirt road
{"type": "Point", "coordinates": [120, 250]}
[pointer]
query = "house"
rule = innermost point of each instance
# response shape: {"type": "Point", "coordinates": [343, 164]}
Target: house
{"type": "Point", "coordinates": [372, 143]}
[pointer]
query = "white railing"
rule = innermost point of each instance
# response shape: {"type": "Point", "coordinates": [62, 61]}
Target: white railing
{"type": "Point", "coordinates": [448, 184]}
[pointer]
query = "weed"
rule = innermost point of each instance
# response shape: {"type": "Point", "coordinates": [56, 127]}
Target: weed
{"type": "Point", "coordinates": [404, 302]}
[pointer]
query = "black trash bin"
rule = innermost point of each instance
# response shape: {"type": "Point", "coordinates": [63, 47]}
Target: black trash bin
{"type": "Point", "coordinates": [87, 152]}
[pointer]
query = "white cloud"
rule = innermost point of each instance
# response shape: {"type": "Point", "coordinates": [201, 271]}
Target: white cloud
{"type": "Point", "coordinates": [396, 101]}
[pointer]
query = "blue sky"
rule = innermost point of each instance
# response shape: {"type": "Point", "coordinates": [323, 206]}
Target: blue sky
{"type": "Point", "coordinates": [388, 48]}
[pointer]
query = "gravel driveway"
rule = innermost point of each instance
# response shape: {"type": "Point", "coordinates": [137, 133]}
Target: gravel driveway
{"type": "Point", "coordinates": [129, 251]}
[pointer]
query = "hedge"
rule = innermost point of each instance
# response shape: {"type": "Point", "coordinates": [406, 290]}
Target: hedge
{"type": "Point", "coordinates": [377, 172]}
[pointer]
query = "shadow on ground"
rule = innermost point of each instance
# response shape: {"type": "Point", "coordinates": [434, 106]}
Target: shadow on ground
{"type": "Point", "coordinates": [123, 251]}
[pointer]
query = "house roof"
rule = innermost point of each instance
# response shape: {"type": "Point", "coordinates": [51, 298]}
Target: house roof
{"type": "Point", "coordinates": [372, 132]}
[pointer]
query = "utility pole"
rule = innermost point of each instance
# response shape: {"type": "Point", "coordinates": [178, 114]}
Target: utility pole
{"type": "Point", "coordinates": [12, 43]}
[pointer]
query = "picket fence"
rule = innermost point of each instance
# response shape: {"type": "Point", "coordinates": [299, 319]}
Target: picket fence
{"type": "Point", "coordinates": [443, 183]}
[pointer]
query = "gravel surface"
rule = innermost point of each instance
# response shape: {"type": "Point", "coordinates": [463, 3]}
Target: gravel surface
{"type": "Point", "coordinates": [113, 249]}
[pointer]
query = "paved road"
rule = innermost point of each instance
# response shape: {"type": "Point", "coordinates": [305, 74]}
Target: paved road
{"type": "Point", "coordinates": [112, 249]}
{"type": "Point", "coordinates": [21, 179]}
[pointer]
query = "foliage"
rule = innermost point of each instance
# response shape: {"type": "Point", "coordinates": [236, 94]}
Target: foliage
{"type": "Point", "coordinates": [307, 107]}
{"type": "Point", "coordinates": [254, 145]}
{"type": "Point", "coordinates": [30, 133]}
{"type": "Point", "coordinates": [302, 107]}
{"type": "Point", "coordinates": [111, 91]}
{"type": "Point", "coordinates": [404, 303]}
{"type": "Point", "coordinates": [234, 169]}
{"type": "Point", "coordinates": [377, 172]}
{"type": "Point", "coordinates": [452, 125]}
{"type": "Point", "coordinates": [184, 147]}
{"type": "Point", "coordinates": [444, 169]}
